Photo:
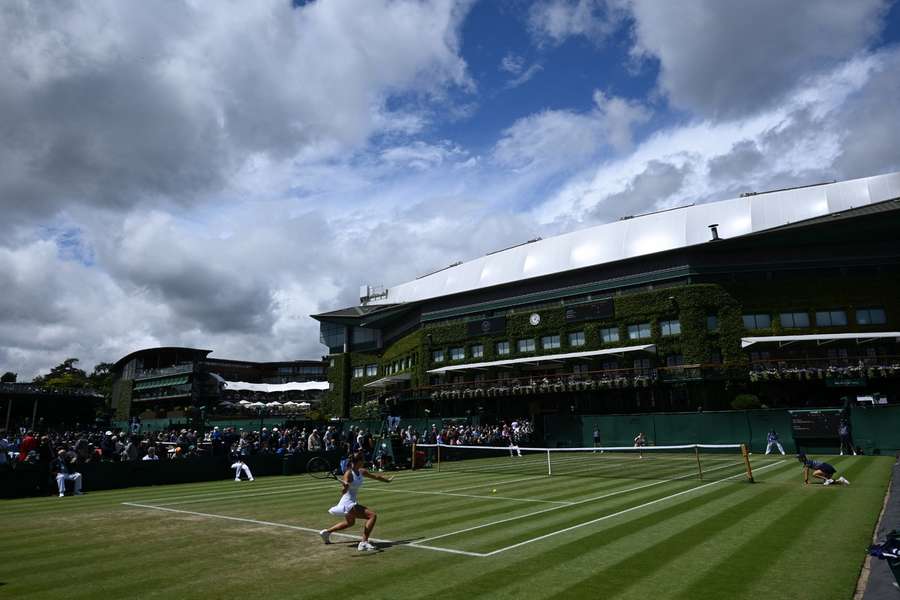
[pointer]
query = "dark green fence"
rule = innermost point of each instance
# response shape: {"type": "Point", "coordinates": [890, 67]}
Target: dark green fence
{"type": "Point", "coordinates": [875, 428]}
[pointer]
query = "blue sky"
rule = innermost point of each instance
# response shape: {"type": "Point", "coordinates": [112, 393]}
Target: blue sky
{"type": "Point", "coordinates": [209, 175]}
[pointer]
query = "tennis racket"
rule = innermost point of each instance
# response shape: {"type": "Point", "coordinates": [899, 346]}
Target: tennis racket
{"type": "Point", "coordinates": [319, 468]}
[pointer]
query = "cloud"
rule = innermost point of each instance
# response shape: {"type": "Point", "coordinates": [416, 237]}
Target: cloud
{"type": "Point", "coordinates": [553, 21]}
{"type": "Point", "coordinates": [725, 58]}
{"type": "Point", "coordinates": [562, 139]}
{"type": "Point", "coordinates": [113, 107]}
{"type": "Point", "coordinates": [834, 126]}
{"type": "Point", "coordinates": [515, 66]}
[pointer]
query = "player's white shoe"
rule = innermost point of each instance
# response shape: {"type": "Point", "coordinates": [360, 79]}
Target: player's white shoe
{"type": "Point", "coordinates": [325, 535]}
{"type": "Point", "coordinates": [366, 547]}
{"type": "Point", "coordinates": [844, 480]}
{"type": "Point", "coordinates": [828, 482]}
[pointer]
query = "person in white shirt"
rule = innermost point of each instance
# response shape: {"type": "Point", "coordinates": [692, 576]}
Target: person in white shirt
{"type": "Point", "coordinates": [239, 466]}
{"type": "Point", "coordinates": [151, 454]}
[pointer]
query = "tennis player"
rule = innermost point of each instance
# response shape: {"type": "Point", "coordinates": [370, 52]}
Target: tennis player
{"type": "Point", "coordinates": [821, 470]}
{"type": "Point", "coordinates": [348, 506]}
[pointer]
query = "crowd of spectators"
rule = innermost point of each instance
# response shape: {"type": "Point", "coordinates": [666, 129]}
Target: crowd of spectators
{"type": "Point", "coordinates": [513, 433]}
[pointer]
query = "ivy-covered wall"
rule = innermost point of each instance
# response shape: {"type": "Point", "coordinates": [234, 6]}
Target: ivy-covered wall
{"type": "Point", "coordinates": [689, 304]}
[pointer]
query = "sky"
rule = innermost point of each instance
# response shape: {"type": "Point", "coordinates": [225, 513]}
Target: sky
{"type": "Point", "coordinates": [209, 174]}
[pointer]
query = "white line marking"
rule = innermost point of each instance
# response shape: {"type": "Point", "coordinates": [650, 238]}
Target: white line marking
{"type": "Point", "coordinates": [621, 512]}
{"type": "Point", "coordinates": [469, 487]}
{"type": "Point", "coordinates": [575, 503]}
{"type": "Point", "coordinates": [491, 497]}
{"type": "Point", "coordinates": [298, 528]}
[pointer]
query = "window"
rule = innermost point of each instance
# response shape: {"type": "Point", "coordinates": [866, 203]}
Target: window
{"type": "Point", "coordinates": [437, 356]}
{"type": "Point", "coordinates": [371, 370]}
{"type": "Point", "coordinates": [871, 316]}
{"type": "Point", "coordinates": [526, 345]}
{"type": "Point", "coordinates": [609, 365]}
{"type": "Point", "coordinates": [831, 318]}
{"type": "Point", "coordinates": [550, 342]}
{"type": "Point", "coordinates": [457, 353]}
{"type": "Point", "coordinates": [712, 323]}
{"type": "Point", "coordinates": [675, 360]}
{"type": "Point", "coordinates": [759, 356]}
{"type": "Point", "coordinates": [639, 331]}
{"type": "Point", "coordinates": [576, 338]}
{"type": "Point", "coordinates": [641, 365]}
{"type": "Point", "coordinates": [358, 372]}
{"type": "Point", "coordinates": [477, 351]}
{"type": "Point", "coordinates": [502, 348]}
{"type": "Point", "coordinates": [670, 327]}
{"type": "Point", "coordinates": [331, 363]}
{"type": "Point", "coordinates": [757, 321]}
{"type": "Point", "coordinates": [609, 335]}
{"type": "Point", "coordinates": [794, 319]}
{"type": "Point", "coordinates": [580, 369]}
{"type": "Point", "coordinates": [837, 354]}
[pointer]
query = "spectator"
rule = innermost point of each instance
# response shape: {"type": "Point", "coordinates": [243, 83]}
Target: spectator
{"type": "Point", "coordinates": [314, 444]}
{"type": "Point", "coordinates": [151, 454]}
{"type": "Point", "coordinates": [59, 468]}
{"type": "Point", "coordinates": [29, 443]}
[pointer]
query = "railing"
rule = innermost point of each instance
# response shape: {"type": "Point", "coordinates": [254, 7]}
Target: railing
{"type": "Point", "coordinates": [26, 388]}
{"type": "Point", "coordinates": [174, 370]}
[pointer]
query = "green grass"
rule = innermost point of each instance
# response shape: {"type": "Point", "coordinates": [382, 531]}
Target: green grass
{"type": "Point", "coordinates": [592, 537]}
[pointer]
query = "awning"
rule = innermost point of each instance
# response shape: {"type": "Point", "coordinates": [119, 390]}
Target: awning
{"type": "Point", "coordinates": [821, 338]}
{"type": "Point", "coordinates": [302, 386]}
{"type": "Point", "coordinates": [390, 379]}
{"type": "Point", "coordinates": [546, 358]}
{"type": "Point", "coordinates": [162, 382]}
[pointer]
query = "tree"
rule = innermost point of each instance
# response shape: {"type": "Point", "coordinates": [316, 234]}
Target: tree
{"type": "Point", "coordinates": [101, 379]}
{"type": "Point", "coordinates": [9, 377]}
{"type": "Point", "coordinates": [64, 376]}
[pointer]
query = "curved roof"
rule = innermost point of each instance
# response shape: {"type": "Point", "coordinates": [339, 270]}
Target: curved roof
{"type": "Point", "coordinates": [647, 234]}
{"type": "Point", "coordinates": [124, 360]}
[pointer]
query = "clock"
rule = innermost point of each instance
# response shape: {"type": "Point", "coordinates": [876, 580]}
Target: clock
{"type": "Point", "coordinates": [535, 319]}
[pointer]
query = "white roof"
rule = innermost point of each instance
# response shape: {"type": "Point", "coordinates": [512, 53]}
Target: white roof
{"type": "Point", "coordinates": [545, 358]}
{"type": "Point", "coordinates": [646, 234]}
{"type": "Point", "coordinates": [237, 386]}
{"type": "Point", "coordinates": [385, 381]}
{"type": "Point", "coordinates": [820, 338]}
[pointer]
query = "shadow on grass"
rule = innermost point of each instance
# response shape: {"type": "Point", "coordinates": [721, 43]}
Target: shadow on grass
{"type": "Point", "coordinates": [381, 546]}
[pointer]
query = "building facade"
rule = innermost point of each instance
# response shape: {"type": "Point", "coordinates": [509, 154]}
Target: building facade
{"type": "Point", "coordinates": [175, 383]}
{"type": "Point", "coordinates": [788, 296]}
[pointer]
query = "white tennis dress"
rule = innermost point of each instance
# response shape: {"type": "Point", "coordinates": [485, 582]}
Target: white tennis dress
{"type": "Point", "coordinates": [348, 500]}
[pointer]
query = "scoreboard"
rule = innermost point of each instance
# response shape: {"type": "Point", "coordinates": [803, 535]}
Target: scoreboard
{"type": "Point", "coordinates": [815, 424]}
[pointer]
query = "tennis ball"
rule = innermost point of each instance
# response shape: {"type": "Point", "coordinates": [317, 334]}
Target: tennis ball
{"type": "Point", "coordinates": [494, 491]}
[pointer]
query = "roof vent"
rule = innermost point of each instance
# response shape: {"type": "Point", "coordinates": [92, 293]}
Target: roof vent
{"type": "Point", "coordinates": [714, 231]}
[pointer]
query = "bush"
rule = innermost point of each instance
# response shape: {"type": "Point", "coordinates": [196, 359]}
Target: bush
{"type": "Point", "coordinates": [745, 402]}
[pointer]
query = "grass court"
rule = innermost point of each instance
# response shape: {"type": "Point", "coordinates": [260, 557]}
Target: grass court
{"type": "Point", "coordinates": [630, 533]}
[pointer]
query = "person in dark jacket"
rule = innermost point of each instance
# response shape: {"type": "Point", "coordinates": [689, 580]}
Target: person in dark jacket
{"type": "Point", "coordinates": [60, 468]}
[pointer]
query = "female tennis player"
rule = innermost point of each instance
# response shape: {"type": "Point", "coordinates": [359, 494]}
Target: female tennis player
{"type": "Point", "coordinates": [348, 506]}
{"type": "Point", "coordinates": [820, 470]}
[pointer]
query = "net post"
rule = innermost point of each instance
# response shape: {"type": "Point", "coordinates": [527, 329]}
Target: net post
{"type": "Point", "coordinates": [746, 454]}
{"type": "Point", "coordinates": [699, 468]}
{"type": "Point", "coordinates": [549, 468]}
{"type": "Point", "coordinates": [439, 458]}
{"type": "Point", "coordinates": [412, 461]}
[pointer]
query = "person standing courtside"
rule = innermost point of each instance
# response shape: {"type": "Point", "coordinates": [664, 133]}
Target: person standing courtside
{"type": "Point", "coordinates": [772, 440]}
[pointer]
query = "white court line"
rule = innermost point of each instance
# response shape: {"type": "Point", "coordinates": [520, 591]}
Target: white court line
{"type": "Point", "coordinates": [298, 528]}
{"type": "Point", "coordinates": [491, 497]}
{"type": "Point", "coordinates": [469, 487]}
{"type": "Point", "coordinates": [239, 494]}
{"type": "Point", "coordinates": [545, 510]}
{"type": "Point", "coordinates": [621, 512]}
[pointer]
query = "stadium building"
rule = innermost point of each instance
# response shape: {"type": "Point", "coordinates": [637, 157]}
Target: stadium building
{"type": "Point", "coordinates": [791, 296]}
{"type": "Point", "coordinates": [173, 384]}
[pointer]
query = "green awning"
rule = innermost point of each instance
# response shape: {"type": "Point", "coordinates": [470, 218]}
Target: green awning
{"type": "Point", "coordinates": [161, 382]}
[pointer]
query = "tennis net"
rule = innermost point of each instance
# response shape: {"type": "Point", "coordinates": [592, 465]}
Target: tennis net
{"type": "Point", "coordinates": [700, 461]}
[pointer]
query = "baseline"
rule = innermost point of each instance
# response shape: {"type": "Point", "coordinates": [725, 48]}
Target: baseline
{"type": "Point", "coordinates": [299, 528]}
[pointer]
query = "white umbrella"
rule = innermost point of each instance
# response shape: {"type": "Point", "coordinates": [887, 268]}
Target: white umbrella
{"type": "Point", "coordinates": [304, 405]}
{"type": "Point", "coordinates": [274, 404]}
{"type": "Point", "coordinates": [256, 405]}
{"type": "Point", "coordinates": [245, 403]}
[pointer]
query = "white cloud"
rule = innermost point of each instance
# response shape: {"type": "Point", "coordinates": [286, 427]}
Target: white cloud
{"type": "Point", "coordinates": [829, 127]}
{"type": "Point", "coordinates": [112, 106]}
{"type": "Point", "coordinates": [729, 57]}
{"type": "Point", "coordinates": [562, 139]}
{"type": "Point", "coordinates": [553, 21]}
